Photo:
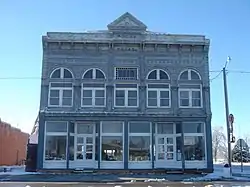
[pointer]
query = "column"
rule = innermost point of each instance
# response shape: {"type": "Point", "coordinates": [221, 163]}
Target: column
{"type": "Point", "coordinates": [40, 147]}
{"type": "Point", "coordinates": [153, 144]}
{"type": "Point", "coordinates": [98, 142]}
{"type": "Point", "coordinates": [126, 145]}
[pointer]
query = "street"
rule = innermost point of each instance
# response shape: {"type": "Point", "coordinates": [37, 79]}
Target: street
{"type": "Point", "coordinates": [165, 184]}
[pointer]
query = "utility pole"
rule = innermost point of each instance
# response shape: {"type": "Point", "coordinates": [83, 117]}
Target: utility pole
{"type": "Point", "coordinates": [227, 120]}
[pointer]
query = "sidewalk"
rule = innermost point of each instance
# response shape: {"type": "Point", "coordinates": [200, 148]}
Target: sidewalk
{"type": "Point", "coordinates": [96, 178]}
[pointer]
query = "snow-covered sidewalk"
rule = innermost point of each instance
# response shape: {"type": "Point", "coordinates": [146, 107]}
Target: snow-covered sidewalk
{"type": "Point", "coordinates": [14, 170]}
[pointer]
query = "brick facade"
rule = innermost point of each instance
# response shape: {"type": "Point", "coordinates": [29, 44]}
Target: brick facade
{"type": "Point", "coordinates": [13, 144]}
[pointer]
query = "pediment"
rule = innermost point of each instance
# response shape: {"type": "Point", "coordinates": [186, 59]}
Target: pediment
{"type": "Point", "coordinates": [127, 22]}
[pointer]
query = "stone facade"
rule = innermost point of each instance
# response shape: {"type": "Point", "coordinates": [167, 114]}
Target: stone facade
{"type": "Point", "coordinates": [127, 43]}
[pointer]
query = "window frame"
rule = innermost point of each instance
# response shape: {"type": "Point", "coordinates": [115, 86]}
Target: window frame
{"type": "Point", "coordinates": [63, 134]}
{"type": "Point", "coordinates": [126, 79]}
{"type": "Point", "coordinates": [158, 90]}
{"type": "Point", "coordinates": [190, 98]}
{"type": "Point", "coordinates": [126, 90]}
{"type": "Point", "coordinates": [61, 89]}
{"type": "Point", "coordinates": [93, 89]}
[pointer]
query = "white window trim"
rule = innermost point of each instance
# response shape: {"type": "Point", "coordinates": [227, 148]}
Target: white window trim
{"type": "Point", "coordinates": [137, 76]}
{"type": "Point", "coordinates": [54, 134]}
{"type": "Point", "coordinates": [126, 97]}
{"type": "Point", "coordinates": [93, 89]}
{"type": "Point", "coordinates": [189, 90]}
{"type": "Point", "coordinates": [60, 95]}
{"type": "Point", "coordinates": [112, 134]}
{"type": "Point", "coordinates": [158, 96]}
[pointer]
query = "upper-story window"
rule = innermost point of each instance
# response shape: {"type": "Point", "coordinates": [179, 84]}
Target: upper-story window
{"type": "Point", "coordinates": [61, 73]}
{"type": "Point", "coordinates": [190, 89]}
{"type": "Point", "coordinates": [61, 89]}
{"type": "Point", "coordinates": [93, 93]}
{"type": "Point", "coordinates": [126, 95]}
{"type": "Point", "coordinates": [93, 73]}
{"type": "Point", "coordinates": [123, 73]}
{"type": "Point", "coordinates": [158, 89]}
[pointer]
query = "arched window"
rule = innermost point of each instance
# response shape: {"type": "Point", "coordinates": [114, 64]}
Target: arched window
{"type": "Point", "coordinates": [189, 75]}
{"type": "Point", "coordinates": [158, 74]}
{"type": "Point", "coordinates": [158, 92]}
{"type": "Point", "coordinates": [190, 89]}
{"type": "Point", "coordinates": [93, 93]}
{"type": "Point", "coordinates": [61, 93]}
{"type": "Point", "coordinates": [61, 73]}
{"type": "Point", "coordinates": [93, 73]}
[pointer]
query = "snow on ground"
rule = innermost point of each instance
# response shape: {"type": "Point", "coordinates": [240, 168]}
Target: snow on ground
{"type": "Point", "coordinates": [15, 170]}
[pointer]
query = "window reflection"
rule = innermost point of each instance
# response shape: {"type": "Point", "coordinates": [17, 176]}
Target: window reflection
{"type": "Point", "coordinates": [112, 148]}
{"type": "Point", "coordinates": [55, 148]}
{"type": "Point", "coordinates": [139, 148]}
{"type": "Point", "coordinates": [194, 148]}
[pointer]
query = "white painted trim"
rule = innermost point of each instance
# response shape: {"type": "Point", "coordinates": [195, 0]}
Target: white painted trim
{"type": "Point", "coordinates": [60, 89]}
{"type": "Point", "coordinates": [93, 89]}
{"type": "Point", "coordinates": [126, 96]}
{"type": "Point", "coordinates": [189, 90]}
{"type": "Point", "coordinates": [158, 90]}
{"type": "Point", "coordinates": [62, 73]}
{"type": "Point", "coordinates": [94, 73]}
{"type": "Point", "coordinates": [157, 74]}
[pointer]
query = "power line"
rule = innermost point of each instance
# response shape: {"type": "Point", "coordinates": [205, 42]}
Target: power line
{"type": "Point", "coordinates": [216, 76]}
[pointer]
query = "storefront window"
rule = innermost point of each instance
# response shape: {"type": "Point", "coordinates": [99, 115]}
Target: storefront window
{"type": "Point", "coordinates": [194, 148]}
{"type": "Point", "coordinates": [55, 148]}
{"type": "Point", "coordinates": [139, 148]}
{"type": "Point", "coordinates": [112, 148]}
{"type": "Point", "coordinates": [56, 140]}
{"type": "Point", "coordinates": [194, 141]}
{"type": "Point", "coordinates": [139, 141]}
{"type": "Point", "coordinates": [71, 148]}
{"type": "Point", "coordinates": [178, 148]}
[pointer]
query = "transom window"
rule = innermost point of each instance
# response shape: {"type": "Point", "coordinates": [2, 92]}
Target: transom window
{"type": "Point", "coordinates": [189, 75]}
{"type": "Point", "coordinates": [93, 73]}
{"type": "Point", "coordinates": [158, 95]}
{"type": "Point", "coordinates": [61, 73]}
{"type": "Point", "coordinates": [126, 73]}
{"type": "Point", "coordinates": [126, 95]}
{"type": "Point", "coordinates": [158, 74]}
{"type": "Point", "coordinates": [190, 92]}
{"type": "Point", "coordinates": [93, 95]}
{"type": "Point", "coordinates": [61, 95]}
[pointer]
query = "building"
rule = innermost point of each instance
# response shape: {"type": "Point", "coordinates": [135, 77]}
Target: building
{"type": "Point", "coordinates": [13, 144]}
{"type": "Point", "coordinates": [125, 98]}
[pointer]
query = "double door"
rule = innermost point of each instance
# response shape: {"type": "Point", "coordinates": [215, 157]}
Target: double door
{"type": "Point", "coordinates": [165, 148]}
{"type": "Point", "coordinates": [85, 148]}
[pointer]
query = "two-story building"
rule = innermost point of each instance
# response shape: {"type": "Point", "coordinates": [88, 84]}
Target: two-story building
{"type": "Point", "coordinates": [125, 98]}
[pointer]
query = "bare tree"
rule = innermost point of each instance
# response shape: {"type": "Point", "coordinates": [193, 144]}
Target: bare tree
{"type": "Point", "coordinates": [219, 142]}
